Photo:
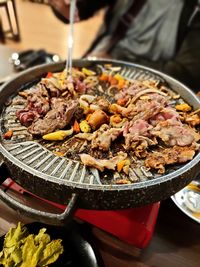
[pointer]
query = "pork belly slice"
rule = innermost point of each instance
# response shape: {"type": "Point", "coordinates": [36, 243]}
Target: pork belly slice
{"type": "Point", "coordinates": [157, 160]}
{"type": "Point", "coordinates": [102, 164]}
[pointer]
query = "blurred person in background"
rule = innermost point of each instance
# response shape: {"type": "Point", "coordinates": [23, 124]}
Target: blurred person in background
{"type": "Point", "coordinates": [164, 35]}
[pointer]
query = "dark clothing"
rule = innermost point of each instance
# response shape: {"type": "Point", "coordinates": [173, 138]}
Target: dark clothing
{"type": "Point", "coordinates": [184, 65]}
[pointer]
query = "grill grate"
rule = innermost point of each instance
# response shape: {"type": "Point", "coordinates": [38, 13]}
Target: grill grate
{"type": "Point", "coordinates": [37, 155]}
{"type": "Point", "coordinates": [52, 165]}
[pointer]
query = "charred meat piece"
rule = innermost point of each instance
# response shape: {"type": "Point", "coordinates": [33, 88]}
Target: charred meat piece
{"type": "Point", "coordinates": [37, 105]}
{"type": "Point", "coordinates": [175, 133]}
{"type": "Point", "coordinates": [57, 118]}
{"type": "Point", "coordinates": [59, 84]}
{"type": "Point", "coordinates": [158, 160]}
{"type": "Point", "coordinates": [127, 112]}
{"type": "Point", "coordinates": [146, 109]}
{"type": "Point", "coordinates": [26, 117]}
{"type": "Point", "coordinates": [91, 103]}
{"type": "Point", "coordinates": [139, 145]}
{"type": "Point", "coordinates": [137, 137]}
{"type": "Point", "coordinates": [104, 136]}
{"type": "Point", "coordinates": [51, 87]}
{"type": "Point", "coordinates": [102, 164]}
{"type": "Point", "coordinates": [165, 114]}
{"type": "Point", "coordinates": [192, 119]}
{"type": "Point", "coordinates": [132, 90]}
{"type": "Point", "coordinates": [143, 109]}
{"type": "Point", "coordinates": [102, 103]}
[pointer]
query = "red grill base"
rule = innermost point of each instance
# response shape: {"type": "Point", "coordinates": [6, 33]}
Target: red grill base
{"type": "Point", "coordinates": [133, 226]}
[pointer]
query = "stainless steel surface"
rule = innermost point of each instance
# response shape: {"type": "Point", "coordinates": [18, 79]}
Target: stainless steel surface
{"type": "Point", "coordinates": [188, 200]}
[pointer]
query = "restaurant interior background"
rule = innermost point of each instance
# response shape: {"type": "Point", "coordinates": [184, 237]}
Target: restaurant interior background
{"type": "Point", "coordinates": [39, 28]}
{"type": "Point", "coordinates": [176, 238]}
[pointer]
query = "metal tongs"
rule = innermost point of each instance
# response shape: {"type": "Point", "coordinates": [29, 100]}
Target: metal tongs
{"type": "Point", "coordinates": [70, 41]}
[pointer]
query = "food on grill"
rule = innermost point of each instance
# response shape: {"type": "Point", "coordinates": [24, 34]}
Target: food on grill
{"type": "Point", "coordinates": [177, 154]}
{"type": "Point", "coordinates": [8, 134]}
{"type": "Point", "coordinates": [110, 122]}
{"type": "Point", "coordinates": [183, 107]}
{"type": "Point", "coordinates": [101, 164]}
{"type": "Point", "coordinates": [23, 249]}
{"type": "Point", "coordinates": [58, 135]}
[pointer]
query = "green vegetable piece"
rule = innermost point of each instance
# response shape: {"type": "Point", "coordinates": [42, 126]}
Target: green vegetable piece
{"type": "Point", "coordinates": [15, 235]}
{"type": "Point", "coordinates": [37, 255]}
{"type": "Point", "coordinates": [28, 251]}
{"type": "Point", "coordinates": [17, 256]}
{"type": "Point", "coordinates": [51, 253]}
{"type": "Point", "coordinates": [42, 237]}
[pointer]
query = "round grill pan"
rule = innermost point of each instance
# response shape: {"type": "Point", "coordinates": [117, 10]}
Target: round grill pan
{"type": "Point", "coordinates": [60, 179]}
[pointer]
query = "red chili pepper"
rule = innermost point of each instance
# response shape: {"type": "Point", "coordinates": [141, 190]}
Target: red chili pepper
{"type": "Point", "coordinates": [49, 75]}
{"type": "Point", "coordinates": [8, 135]}
{"type": "Point", "coordinates": [76, 127]}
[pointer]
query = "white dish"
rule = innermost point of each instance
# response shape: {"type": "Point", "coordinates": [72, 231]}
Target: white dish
{"type": "Point", "coordinates": [188, 200]}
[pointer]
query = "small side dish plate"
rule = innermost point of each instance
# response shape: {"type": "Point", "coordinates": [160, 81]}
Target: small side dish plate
{"type": "Point", "coordinates": [188, 200]}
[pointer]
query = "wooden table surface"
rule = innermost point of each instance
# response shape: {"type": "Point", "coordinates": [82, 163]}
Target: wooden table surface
{"type": "Point", "coordinates": [176, 241]}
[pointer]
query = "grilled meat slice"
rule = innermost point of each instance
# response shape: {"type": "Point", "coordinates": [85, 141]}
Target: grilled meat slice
{"type": "Point", "coordinates": [138, 127]}
{"type": "Point", "coordinates": [157, 160]}
{"type": "Point", "coordinates": [191, 119]}
{"type": "Point", "coordinates": [104, 136]}
{"type": "Point", "coordinates": [57, 118]}
{"type": "Point", "coordinates": [102, 103]}
{"type": "Point", "coordinates": [128, 92]}
{"type": "Point", "coordinates": [37, 105]}
{"type": "Point", "coordinates": [26, 117]}
{"type": "Point", "coordinates": [175, 133]}
{"type": "Point", "coordinates": [91, 103]}
{"type": "Point", "coordinates": [139, 145]}
{"type": "Point", "coordinates": [143, 109]}
{"type": "Point", "coordinates": [85, 136]}
{"type": "Point", "coordinates": [137, 137]}
{"type": "Point", "coordinates": [102, 164]}
{"type": "Point", "coordinates": [168, 113]}
{"type": "Point", "coordinates": [146, 109]}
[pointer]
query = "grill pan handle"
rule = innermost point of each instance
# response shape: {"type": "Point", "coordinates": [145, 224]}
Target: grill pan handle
{"type": "Point", "coordinates": [40, 216]}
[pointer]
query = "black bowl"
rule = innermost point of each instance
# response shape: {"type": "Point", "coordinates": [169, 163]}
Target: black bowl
{"type": "Point", "coordinates": [77, 251]}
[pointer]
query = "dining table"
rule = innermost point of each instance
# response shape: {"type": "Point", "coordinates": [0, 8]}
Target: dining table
{"type": "Point", "coordinates": [176, 238]}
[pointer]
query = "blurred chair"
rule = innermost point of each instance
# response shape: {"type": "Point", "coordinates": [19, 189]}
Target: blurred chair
{"type": "Point", "coordinates": [2, 37]}
{"type": "Point", "coordinates": [10, 8]}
